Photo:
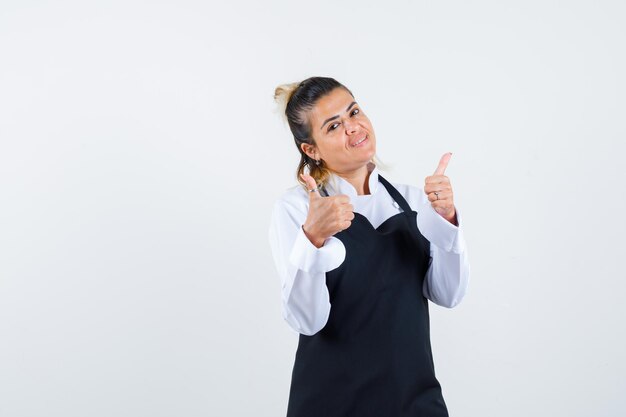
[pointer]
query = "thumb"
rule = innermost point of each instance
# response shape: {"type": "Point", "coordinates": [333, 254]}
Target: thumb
{"type": "Point", "coordinates": [310, 185]}
{"type": "Point", "coordinates": [443, 163]}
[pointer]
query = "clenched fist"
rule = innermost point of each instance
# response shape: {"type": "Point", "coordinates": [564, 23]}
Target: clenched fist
{"type": "Point", "coordinates": [439, 191]}
{"type": "Point", "coordinates": [327, 215]}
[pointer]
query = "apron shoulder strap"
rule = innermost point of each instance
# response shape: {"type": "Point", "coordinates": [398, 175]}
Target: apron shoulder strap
{"type": "Point", "coordinates": [395, 194]}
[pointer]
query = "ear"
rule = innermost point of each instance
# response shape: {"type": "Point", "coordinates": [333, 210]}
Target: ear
{"type": "Point", "coordinates": [310, 150]}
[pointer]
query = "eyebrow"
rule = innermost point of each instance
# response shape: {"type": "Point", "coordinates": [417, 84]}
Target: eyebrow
{"type": "Point", "coordinates": [336, 116]}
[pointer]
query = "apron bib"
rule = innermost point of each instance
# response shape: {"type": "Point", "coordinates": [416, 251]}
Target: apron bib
{"type": "Point", "coordinates": [373, 356]}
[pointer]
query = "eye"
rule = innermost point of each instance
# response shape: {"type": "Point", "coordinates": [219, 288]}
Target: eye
{"type": "Point", "coordinates": [334, 125]}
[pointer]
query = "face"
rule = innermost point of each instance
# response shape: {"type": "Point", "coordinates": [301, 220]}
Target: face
{"type": "Point", "coordinates": [342, 132]}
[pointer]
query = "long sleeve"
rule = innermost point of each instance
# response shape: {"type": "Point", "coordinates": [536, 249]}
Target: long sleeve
{"type": "Point", "coordinates": [448, 274]}
{"type": "Point", "coordinates": [302, 268]}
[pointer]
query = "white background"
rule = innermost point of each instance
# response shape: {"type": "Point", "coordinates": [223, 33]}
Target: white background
{"type": "Point", "coordinates": [140, 156]}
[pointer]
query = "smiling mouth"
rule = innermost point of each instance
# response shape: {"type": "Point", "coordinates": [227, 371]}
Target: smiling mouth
{"type": "Point", "coordinates": [358, 142]}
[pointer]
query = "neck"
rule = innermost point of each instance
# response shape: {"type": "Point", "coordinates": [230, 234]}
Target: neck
{"type": "Point", "coordinates": [359, 178]}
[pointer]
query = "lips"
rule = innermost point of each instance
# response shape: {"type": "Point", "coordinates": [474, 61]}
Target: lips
{"type": "Point", "coordinates": [359, 141]}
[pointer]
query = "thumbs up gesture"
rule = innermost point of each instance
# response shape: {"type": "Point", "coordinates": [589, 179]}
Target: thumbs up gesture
{"type": "Point", "coordinates": [439, 191]}
{"type": "Point", "coordinates": [327, 215]}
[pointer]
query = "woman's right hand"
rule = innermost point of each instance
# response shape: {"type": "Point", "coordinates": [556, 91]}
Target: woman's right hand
{"type": "Point", "coordinates": [327, 215]}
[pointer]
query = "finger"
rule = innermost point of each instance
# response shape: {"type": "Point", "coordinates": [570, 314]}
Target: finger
{"type": "Point", "coordinates": [310, 185]}
{"type": "Point", "coordinates": [436, 179]}
{"type": "Point", "coordinates": [443, 163]}
{"type": "Point", "coordinates": [342, 199]}
{"type": "Point", "coordinates": [344, 224]}
{"type": "Point", "coordinates": [442, 196]}
{"type": "Point", "coordinates": [442, 207]}
{"type": "Point", "coordinates": [346, 211]}
{"type": "Point", "coordinates": [444, 204]}
{"type": "Point", "coordinates": [344, 205]}
{"type": "Point", "coordinates": [440, 186]}
{"type": "Point", "coordinates": [446, 210]}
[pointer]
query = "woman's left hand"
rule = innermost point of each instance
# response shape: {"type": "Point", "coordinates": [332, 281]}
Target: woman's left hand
{"type": "Point", "coordinates": [439, 191]}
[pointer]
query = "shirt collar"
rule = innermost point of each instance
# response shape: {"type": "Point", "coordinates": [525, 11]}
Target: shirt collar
{"type": "Point", "coordinates": [337, 185]}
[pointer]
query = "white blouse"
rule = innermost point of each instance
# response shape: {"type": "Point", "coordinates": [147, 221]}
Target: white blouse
{"type": "Point", "coordinates": [302, 267]}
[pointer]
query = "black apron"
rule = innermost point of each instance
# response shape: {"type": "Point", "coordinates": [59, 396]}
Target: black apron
{"type": "Point", "coordinates": [373, 357]}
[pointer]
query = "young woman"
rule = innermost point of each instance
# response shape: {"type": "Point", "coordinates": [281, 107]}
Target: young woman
{"type": "Point", "coordinates": [358, 258]}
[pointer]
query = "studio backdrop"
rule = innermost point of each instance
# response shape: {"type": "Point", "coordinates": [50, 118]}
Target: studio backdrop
{"type": "Point", "coordinates": [141, 155]}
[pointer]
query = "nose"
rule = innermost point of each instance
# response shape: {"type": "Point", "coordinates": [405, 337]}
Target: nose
{"type": "Point", "coordinates": [350, 125]}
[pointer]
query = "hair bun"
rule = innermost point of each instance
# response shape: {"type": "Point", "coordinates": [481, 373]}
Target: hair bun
{"type": "Point", "coordinates": [282, 95]}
